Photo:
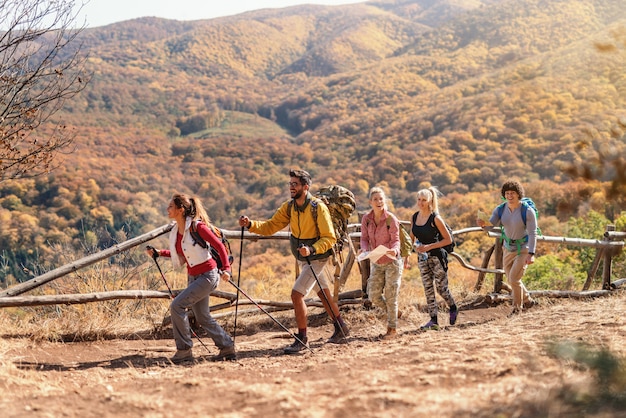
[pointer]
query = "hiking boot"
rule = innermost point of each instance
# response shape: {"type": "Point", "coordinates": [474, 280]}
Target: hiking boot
{"type": "Point", "coordinates": [390, 335]}
{"type": "Point", "coordinates": [225, 354]}
{"type": "Point", "coordinates": [340, 335]}
{"type": "Point", "coordinates": [430, 325]}
{"type": "Point", "coordinates": [530, 303]}
{"type": "Point", "coordinates": [514, 312]}
{"type": "Point", "coordinates": [182, 355]}
{"type": "Point", "coordinates": [297, 346]}
{"type": "Point", "coordinates": [453, 316]}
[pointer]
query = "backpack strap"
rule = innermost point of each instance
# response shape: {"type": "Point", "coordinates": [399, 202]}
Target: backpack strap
{"type": "Point", "coordinates": [517, 242]}
{"type": "Point", "coordinates": [431, 219]}
{"type": "Point", "coordinates": [523, 210]}
{"type": "Point", "coordinates": [197, 239]}
{"type": "Point", "coordinates": [434, 225]}
{"type": "Point", "coordinates": [501, 210]}
{"type": "Point", "coordinates": [313, 203]}
{"type": "Point", "coordinates": [388, 222]}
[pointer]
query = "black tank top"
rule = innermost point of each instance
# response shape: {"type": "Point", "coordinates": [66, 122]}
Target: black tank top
{"type": "Point", "coordinates": [427, 233]}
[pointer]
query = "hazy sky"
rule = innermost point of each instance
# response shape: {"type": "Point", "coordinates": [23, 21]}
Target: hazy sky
{"type": "Point", "coordinates": [104, 12]}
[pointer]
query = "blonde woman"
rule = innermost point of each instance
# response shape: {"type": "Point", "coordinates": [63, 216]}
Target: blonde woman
{"type": "Point", "coordinates": [380, 227]}
{"type": "Point", "coordinates": [429, 228]}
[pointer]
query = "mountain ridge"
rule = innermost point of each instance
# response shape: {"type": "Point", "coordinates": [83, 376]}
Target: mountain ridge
{"type": "Point", "coordinates": [403, 94]}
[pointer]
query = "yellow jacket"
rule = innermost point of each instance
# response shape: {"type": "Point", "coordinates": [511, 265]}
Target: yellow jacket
{"type": "Point", "coordinates": [302, 225]}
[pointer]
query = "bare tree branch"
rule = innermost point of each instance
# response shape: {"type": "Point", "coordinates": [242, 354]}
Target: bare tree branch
{"type": "Point", "coordinates": [41, 66]}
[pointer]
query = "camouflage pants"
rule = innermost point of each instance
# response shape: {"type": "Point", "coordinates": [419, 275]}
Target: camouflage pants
{"type": "Point", "coordinates": [383, 288]}
{"type": "Point", "coordinates": [434, 276]}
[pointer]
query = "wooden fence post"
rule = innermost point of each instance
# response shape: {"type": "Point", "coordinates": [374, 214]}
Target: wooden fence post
{"type": "Point", "coordinates": [594, 268]}
{"type": "Point", "coordinates": [499, 264]}
{"type": "Point", "coordinates": [484, 265]}
{"type": "Point", "coordinates": [608, 255]}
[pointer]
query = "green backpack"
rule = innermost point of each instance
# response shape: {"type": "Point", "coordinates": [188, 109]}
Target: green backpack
{"type": "Point", "coordinates": [406, 246]}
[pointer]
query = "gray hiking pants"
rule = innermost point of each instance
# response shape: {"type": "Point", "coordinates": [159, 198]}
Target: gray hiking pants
{"type": "Point", "coordinates": [196, 297]}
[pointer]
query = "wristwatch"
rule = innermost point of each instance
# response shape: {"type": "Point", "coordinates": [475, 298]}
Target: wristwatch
{"type": "Point", "coordinates": [312, 250]}
{"type": "Point", "coordinates": [531, 253]}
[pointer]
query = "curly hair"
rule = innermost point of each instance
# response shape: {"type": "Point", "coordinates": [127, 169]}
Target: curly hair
{"type": "Point", "coordinates": [514, 186]}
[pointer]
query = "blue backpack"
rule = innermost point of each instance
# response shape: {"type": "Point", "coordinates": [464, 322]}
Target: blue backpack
{"type": "Point", "coordinates": [527, 202]}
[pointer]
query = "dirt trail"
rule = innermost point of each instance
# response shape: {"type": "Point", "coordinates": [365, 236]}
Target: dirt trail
{"type": "Point", "coordinates": [486, 365]}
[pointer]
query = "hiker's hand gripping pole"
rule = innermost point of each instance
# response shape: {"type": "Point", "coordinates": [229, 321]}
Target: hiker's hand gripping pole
{"type": "Point", "coordinates": [271, 317]}
{"type": "Point", "coordinates": [304, 249]}
{"type": "Point", "coordinates": [155, 255]}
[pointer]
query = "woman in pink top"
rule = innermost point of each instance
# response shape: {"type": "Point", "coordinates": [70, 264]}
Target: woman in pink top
{"type": "Point", "coordinates": [380, 227]}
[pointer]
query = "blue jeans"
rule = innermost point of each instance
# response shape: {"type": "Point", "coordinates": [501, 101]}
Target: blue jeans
{"type": "Point", "coordinates": [196, 297]}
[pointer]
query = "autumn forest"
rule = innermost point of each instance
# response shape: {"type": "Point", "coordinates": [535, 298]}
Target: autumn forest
{"type": "Point", "coordinates": [459, 94]}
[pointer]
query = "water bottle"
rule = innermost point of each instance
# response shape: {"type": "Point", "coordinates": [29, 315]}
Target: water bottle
{"type": "Point", "coordinates": [420, 256]}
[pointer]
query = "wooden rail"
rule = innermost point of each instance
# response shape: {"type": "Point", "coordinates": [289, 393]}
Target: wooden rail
{"type": "Point", "coordinates": [608, 247]}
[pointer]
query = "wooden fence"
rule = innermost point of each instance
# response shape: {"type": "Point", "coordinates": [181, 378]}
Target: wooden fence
{"type": "Point", "coordinates": [608, 247]}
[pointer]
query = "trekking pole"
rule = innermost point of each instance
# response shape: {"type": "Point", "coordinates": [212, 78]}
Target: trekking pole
{"type": "Point", "coordinates": [155, 254]}
{"type": "Point", "coordinates": [330, 307]}
{"type": "Point", "coordinates": [238, 281]}
{"type": "Point", "coordinates": [268, 314]}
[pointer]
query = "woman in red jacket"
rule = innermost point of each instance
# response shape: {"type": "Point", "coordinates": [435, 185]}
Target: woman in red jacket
{"type": "Point", "coordinates": [203, 276]}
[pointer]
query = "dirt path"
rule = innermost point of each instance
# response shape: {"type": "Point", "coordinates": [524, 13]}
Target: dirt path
{"type": "Point", "coordinates": [487, 365]}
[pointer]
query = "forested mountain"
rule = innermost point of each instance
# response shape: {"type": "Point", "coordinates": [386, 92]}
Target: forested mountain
{"type": "Point", "coordinates": [458, 94]}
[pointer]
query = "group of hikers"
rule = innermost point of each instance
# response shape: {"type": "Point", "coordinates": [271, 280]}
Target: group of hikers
{"type": "Point", "coordinates": [311, 239]}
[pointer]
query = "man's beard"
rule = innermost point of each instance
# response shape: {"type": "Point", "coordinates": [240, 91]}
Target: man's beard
{"type": "Point", "coordinates": [297, 194]}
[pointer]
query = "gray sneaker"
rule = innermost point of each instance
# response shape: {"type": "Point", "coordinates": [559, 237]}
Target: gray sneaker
{"type": "Point", "coordinates": [182, 355]}
{"type": "Point", "coordinates": [340, 335]}
{"type": "Point", "coordinates": [226, 354]}
{"type": "Point", "coordinates": [297, 345]}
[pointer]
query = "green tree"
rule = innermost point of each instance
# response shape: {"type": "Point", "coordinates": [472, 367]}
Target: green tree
{"type": "Point", "coordinates": [552, 272]}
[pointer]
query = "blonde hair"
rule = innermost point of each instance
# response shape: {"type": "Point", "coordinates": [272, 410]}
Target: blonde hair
{"type": "Point", "coordinates": [379, 190]}
{"type": "Point", "coordinates": [431, 197]}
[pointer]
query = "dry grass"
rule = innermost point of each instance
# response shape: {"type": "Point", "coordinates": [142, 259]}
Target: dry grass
{"type": "Point", "coordinates": [111, 358]}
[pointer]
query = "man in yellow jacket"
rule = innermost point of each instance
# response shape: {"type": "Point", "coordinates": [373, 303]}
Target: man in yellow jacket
{"type": "Point", "coordinates": [311, 240]}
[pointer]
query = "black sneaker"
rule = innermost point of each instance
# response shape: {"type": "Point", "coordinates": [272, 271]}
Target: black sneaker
{"type": "Point", "coordinates": [226, 354]}
{"type": "Point", "coordinates": [297, 345]}
{"type": "Point", "coordinates": [430, 326]}
{"type": "Point", "coordinates": [339, 336]}
{"type": "Point", "coordinates": [453, 316]}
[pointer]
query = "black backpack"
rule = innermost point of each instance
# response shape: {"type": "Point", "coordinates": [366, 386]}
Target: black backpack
{"type": "Point", "coordinates": [197, 239]}
{"type": "Point", "coordinates": [450, 247]}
